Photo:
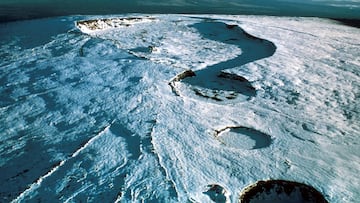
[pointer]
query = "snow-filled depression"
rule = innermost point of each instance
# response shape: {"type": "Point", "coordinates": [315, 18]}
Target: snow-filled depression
{"type": "Point", "coordinates": [179, 108]}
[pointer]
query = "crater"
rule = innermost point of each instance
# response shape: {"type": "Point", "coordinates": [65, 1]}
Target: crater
{"type": "Point", "coordinates": [213, 82]}
{"type": "Point", "coordinates": [217, 193]}
{"type": "Point", "coordinates": [281, 191]}
{"type": "Point", "coordinates": [243, 138]}
{"type": "Point", "coordinates": [88, 26]}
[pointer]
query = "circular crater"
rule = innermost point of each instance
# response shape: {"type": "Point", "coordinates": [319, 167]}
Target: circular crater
{"type": "Point", "coordinates": [243, 138]}
{"type": "Point", "coordinates": [222, 87]}
{"type": "Point", "coordinates": [281, 191]}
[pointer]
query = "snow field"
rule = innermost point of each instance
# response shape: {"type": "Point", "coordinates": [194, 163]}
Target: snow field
{"type": "Point", "coordinates": [92, 117]}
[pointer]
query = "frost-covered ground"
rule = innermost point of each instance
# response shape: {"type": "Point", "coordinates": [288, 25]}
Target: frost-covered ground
{"type": "Point", "coordinates": [107, 110]}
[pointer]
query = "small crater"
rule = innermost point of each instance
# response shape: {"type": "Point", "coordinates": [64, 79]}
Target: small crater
{"type": "Point", "coordinates": [243, 138]}
{"type": "Point", "coordinates": [217, 193]}
{"type": "Point", "coordinates": [281, 191]}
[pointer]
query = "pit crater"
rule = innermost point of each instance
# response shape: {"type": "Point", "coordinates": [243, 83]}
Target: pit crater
{"type": "Point", "coordinates": [240, 137]}
{"type": "Point", "coordinates": [281, 191]}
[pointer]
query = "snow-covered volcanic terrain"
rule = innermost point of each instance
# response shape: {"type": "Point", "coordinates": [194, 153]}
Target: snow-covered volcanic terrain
{"type": "Point", "coordinates": [174, 108]}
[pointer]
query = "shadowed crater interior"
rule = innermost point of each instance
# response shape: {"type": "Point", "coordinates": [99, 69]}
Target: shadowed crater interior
{"type": "Point", "coordinates": [281, 191]}
{"type": "Point", "coordinates": [217, 193]}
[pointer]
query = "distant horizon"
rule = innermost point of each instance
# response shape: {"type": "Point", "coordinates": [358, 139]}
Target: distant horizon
{"type": "Point", "coordinates": [23, 9]}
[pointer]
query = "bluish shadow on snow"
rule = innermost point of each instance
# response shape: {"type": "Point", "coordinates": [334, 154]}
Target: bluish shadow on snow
{"type": "Point", "coordinates": [137, 145]}
{"type": "Point", "coordinates": [132, 140]}
{"type": "Point", "coordinates": [104, 49]}
{"type": "Point", "coordinates": [33, 33]}
{"type": "Point", "coordinates": [17, 174]}
{"type": "Point", "coordinates": [213, 79]}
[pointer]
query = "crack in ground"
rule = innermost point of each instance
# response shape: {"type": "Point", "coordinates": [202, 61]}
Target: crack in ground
{"type": "Point", "coordinates": [56, 167]}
